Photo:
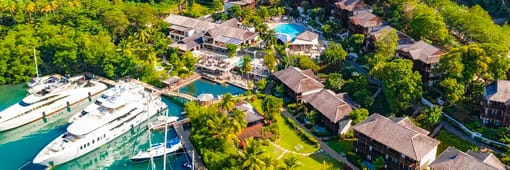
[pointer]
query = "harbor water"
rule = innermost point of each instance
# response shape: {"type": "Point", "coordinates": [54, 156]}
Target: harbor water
{"type": "Point", "coordinates": [19, 146]}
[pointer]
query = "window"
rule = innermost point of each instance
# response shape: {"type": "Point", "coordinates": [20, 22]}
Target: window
{"type": "Point", "coordinates": [402, 155]}
{"type": "Point", "coordinates": [369, 157]}
{"type": "Point", "coordinates": [81, 147]}
{"type": "Point", "coordinates": [386, 156]}
{"type": "Point", "coordinates": [370, 148]}
{"type": "Point", "coordinates": [92, 141]}
{"type": "Point", "coordinates": [88, 144]}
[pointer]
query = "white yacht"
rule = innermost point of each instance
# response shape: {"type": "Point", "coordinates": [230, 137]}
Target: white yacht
{"type": "Point", "coordinates": [129, 106]}
{"type": "Point", "coordinates": [55, 96]}
{"type": "Point", "coordinates": [157, 151]}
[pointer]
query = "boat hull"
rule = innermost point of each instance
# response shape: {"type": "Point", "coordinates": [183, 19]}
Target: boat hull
{"type": "Point", "coordinates": [75, 96]}
{"type": "Point", "coordinates": [89, 143]}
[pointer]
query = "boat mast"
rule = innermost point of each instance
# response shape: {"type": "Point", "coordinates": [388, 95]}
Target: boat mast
{"type": "Point", "coordinates": [166, 135]}
{"type": "Point", "coordinates": [36, 68]}
{"type": "Point", "coordinates": [153, 166]}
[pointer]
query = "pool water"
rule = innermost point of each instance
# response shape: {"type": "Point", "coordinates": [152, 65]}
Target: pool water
{"type": "Point", "coordinates": [293, 30]}
{"type": "Point", "coordinates": [205, 86]}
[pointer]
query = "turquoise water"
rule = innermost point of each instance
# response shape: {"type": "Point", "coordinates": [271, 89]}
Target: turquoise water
{"type": "Point", "coordinates": [19, 146]}
{"type": "Point", "coordinates": [205, 86]}
{"type": "Point", "coordinates": [293, 30]}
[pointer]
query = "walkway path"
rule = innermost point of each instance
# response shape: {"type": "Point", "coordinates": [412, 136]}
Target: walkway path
{"type": "Point", "coordinates": [323, 145]}
{"type": "Point", "coordinates": [292, 152]}
{"type": "Point", "coordinates": [463, 136]}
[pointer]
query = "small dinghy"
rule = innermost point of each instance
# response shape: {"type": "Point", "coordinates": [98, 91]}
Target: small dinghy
{"type": "Point", "coordinates": [157, 151]}
{"type": "Point", "coordinates": [160, 122]}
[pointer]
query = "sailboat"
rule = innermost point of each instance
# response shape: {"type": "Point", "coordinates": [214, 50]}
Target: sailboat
{"type": "Point", "coordinates": [159, 150]}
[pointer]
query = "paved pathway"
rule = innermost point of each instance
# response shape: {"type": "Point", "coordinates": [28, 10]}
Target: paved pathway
{"type": "Point", "coordinates": [463, 136]}
{"type": "Point", "coordinates": [292, 152]}
{"type": "Point", "coordinates": [323, 145]}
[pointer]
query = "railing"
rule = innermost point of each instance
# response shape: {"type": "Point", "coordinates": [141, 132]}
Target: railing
{"type": "Point", "coordinates": [472, 134]}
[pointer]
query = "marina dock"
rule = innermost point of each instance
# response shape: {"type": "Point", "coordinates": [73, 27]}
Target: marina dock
{"type": "Point", "coordinates": [164, 91]}
{"type": "Point", "coordinates": [184, 135]}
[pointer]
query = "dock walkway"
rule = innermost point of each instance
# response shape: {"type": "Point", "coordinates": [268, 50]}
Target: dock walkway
{"type": "Point", "coordinates": [184, 136]}
{"type": "Point", "coordinates": [165, 92]}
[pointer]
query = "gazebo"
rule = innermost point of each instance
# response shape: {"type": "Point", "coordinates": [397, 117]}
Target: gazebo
{"type": "Point", "coordinates": [306, 41]}
{"type": "Point", "coordinates": [205, 98]}
{"type": "Point", "coordinates": [171, 82]}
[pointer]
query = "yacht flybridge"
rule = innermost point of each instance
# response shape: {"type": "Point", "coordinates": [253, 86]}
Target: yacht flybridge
{"type": "Point", "coordinates": [49, 98]}
{"type": "Point", "coordinates": [117, 111]}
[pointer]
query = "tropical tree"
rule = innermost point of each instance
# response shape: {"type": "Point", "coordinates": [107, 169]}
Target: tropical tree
{"type": "Point", "coordinates": [430, 117]}
{"type": "Point", "coordinates": [31, 8]}
{"type": "Point", "coordinates": [246, 67]}
{"type": "Point", "coordinates": [326, 165]}
{"type": "Point", "coordinates": [269, 38]}
{"type": "Point", "coordinates": [335, 81]}
{"type": "Point", "coordinates": [356, 41]}
{"type": "Point", "coordinates": [270, 60]}
{"type": "Point", "coordinates": [291, 162]}
{"type": "Point", "coordinates": [261, 84]}
{"type": "Point", "coordinates": [253, 155]}
{"type": "Point", "coordinates": [227, 102]}
{"type": "Point", "coordinates": [231, 49]}
{"type": "Point", "coordinates": [401, 85]}
{"type": "Point", "coordinates": [378, 163]}
{"type": "Point", "coordinates": [386, 45]}
{"type": "Point", "coordinates": [358, 115]}
{"type": "Point", "coordinates": [428, 24]}
{"type": "Point", "coordinates": [334, 54]}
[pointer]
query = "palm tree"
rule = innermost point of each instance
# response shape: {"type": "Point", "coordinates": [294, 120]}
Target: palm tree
{"type": "Point", "coordinates": [11, 7]}
{"type": "Point", "coordinates": [238, 123]}
{"type": "Point", "coordinates": [74, 3]}
{"type": "Point", "coordinates": [31, 9]}
{"type": "Point", "coordinates": [253, 155]}
{"type": "Point", "coordinates": [227, 102]}
{"type": "Point", "coordinates": [326, 165]}
{"type": "Point", "coordinates": [291, 162]}
{"type": "Point", "coordinates": [269, 37]}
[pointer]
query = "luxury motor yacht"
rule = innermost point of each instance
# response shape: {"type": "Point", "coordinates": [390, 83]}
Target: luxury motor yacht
{"type": "Point", "coordinates": [61, 93]}
{"type": "Point", "coordinates": [129, 106]}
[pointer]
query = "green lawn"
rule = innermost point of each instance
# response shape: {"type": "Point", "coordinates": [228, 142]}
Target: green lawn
{"type": "Point", "coordinates": [307, 162]}
{"type": "Point", "coordinates": [315, 161]}
{"type": "Point", "coordinates": [448, 139]}
{"type": "Point", "coordinates": [290, 140]}
{"type": "Point", "coordinates": [341, 146]}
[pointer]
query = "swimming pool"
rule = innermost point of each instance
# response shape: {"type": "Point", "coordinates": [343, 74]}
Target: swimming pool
{"type": "Point", "coordinates": [292, 30]}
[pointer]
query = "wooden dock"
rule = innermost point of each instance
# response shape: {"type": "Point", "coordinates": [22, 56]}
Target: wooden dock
{"type": "Point", "coordinates": [165, 92]}
{"type": "Point", "coordinates": [184, 135]}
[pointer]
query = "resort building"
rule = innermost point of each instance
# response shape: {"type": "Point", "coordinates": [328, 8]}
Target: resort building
{"type": "Point", "coordinates": [403, 39]}
{"type": "Point", "coordinates": [397, 140]}
{"type": "Point", "coordinates": [214, 67]}
{"type": "Point", "coordinates": [242, 3]}
{"type": "Point", "coordinates": [452, 158]}
{"type": "Point", "coordinates": [333, 110]}
{"type": "Point", "coordinates": [348, 8]}
{"type": "Point", "coordinates": [306, 42]}
{"type": "Point", "coordinates": [496, 104]}
{"type": "Point", "coordinates": [254, 122]}
{"type": "Point", "coordinates": [425, 57]}
{"type": "Point", "coordinates": [299, 82]}
{"type": "Point", "coordinates": [363, 23]}
{"type": "Point", "coordinates": [192, 34]}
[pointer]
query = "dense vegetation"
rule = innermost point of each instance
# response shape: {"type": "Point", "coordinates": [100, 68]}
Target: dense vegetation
{"type": "Point", "coordinates": [216, 128]}
{"type": "Point", "coordinates": [110, 38]}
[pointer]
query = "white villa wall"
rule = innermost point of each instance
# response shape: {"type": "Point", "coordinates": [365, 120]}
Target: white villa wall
{"type": "Point", "coordinates": [428, 158]}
